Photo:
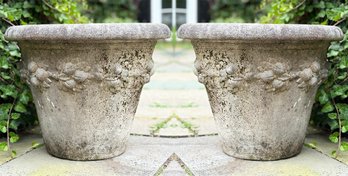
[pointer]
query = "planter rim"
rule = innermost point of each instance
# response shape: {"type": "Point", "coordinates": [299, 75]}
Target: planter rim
{"type": "Point", "coordinates": [254, 31]}
{"type": "Point", "coordinates": [93, 31]}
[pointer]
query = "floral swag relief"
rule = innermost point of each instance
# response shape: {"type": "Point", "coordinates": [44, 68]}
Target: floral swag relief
{"type": "Point", "coordinates": [213, 70]}
{"type": "Point", "coordinates": [131, 71]}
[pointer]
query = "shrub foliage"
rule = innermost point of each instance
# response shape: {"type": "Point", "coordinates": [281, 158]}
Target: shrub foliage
{"type": "Point", "coordinates": [111, 11]}
{"type": "Point", "coordinates": [234, 10]}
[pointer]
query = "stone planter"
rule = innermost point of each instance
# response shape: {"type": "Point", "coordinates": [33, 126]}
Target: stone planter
{"type": "Point", "coordinates": [261, 82]}
{"type": "Point", "coordinates": [86, 80]}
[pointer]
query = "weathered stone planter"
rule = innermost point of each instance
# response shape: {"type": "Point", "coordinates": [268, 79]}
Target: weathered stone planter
{"type": "Point", "coordinates": [86, 80]}
{"type": "Point", "coordinates": [261, 82]}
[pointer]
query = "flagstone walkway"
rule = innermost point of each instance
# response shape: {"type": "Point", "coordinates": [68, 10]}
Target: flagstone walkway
{"type": "Point", "coordinates": [174, 103]}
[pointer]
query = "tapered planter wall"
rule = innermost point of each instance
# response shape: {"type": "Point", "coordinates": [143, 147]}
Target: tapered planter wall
{"type": "Point", "coordinates": [86, 80]}
{"type": "Point", "coordinates": [261, 82]}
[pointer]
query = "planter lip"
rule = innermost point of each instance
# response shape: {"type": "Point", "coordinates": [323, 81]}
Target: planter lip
{"type": "Point", "coordinates": [92, 31]}
{"type": "Point", "coordinates": [255, 31]}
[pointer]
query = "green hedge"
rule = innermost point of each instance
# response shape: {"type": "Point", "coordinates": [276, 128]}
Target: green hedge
{"type": "Point", "coordinates": [330, 111]}
{"type": "Point", "coordinates": [111, 11]}
{"type": "Point", "coordinates": [236, 11]}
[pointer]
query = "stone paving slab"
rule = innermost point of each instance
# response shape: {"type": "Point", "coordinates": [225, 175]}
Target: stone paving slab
{"type": "Point", "coordinates": [174, 90]}
{"type": "Point", "coordinates": [176, 76]}
{"type": "Point", "coordinates": [173, 169]}
{"type": "Point", "coordinates": [147, 155]}
{"type": "Point", "coordinates": [174, 98]}
{"type": "Point", "coordinates": [142, 125]}
{"type": "Point", "coordinates": [172, 127]}
{"type": "Point", "coordinates": [174, 81]}
{"type": "Point", "coordinates": [205, 125]}
{"type": "Point", "coordinates": [135, 161]}
{"type": "Point", "coordinates": [180, 60]}
{"type": "Point", "coordinates": [321, 143]}
{"type": "Point", "coordinates": [174, 66]}
{"type": "Point", "coordinates": [308, 163]}
{"type": "Point", "coordinates": [162, 113]}
{"type": "Point", "coordinates": [163, 103]}
{"type": "Point", "coordinates": [191, 106]}
{"type": "Point", "coordinates": [173, 85]}
{"type": "Point", "coordinates": [22, 147]}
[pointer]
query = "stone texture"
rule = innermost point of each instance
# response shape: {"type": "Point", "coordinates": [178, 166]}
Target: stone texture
{"type": "Point", "coordinates": [325, 146]}
{"type": "Point", "coordinates": [261, 81]}
{"type": "Point", "coordinates": [208, 159]}
{"type": "Point", "coordinates": [86, 81]}
{"type": "Point", "coordinates": [199, 156]}
{"type": "Point", "coordinates": [21, 147]}
{"type": "Point", "coordinates": [174, 169]}
{"type": "Point", "coordinates": [173, 90]}
{"type": "Point", "coordinates": [273, 32]}
{"type": "Point", "coordinates": [142, 125]}
{"type": "Point", "coordinates": [89, 32]}
{"type": "Point", "coordinates": [173, 128]}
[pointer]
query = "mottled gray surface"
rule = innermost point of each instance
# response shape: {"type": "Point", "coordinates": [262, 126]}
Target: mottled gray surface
{"type": "Point", "coordinates": [261, 82]}
{"type": "Point", "coordinates": [201, 156]}
{"type": "Point", "coordinates": [21, 147]}
{"type": "Point", "coordinates": [86, 95]}
{"type": "Point", "coordinates": [235, 31]}
{"type": "Point", "coordinates": [322, 144]}
{"type": "Point", "coordinates": [88, 32]}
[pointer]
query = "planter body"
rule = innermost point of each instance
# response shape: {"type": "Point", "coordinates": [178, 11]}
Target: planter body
{"type": "Point", "coordinates": [86, 81]}
{"type": "Point", "coordinates": [261, 82]}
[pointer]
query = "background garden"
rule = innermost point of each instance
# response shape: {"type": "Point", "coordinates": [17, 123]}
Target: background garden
{"type": "Point", "coordinates": [17, 112]}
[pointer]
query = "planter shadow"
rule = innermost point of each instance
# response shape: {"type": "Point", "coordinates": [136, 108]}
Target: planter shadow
{"type": "Point", "coordinates": [86, 80]}
{"type": "Point", "coordinates": [261, 80]}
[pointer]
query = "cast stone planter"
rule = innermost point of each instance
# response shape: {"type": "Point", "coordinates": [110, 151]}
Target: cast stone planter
{"type": "Point", "coordinates": [86, 80]}
{"type": "Point", "coordinates": [261, 82]}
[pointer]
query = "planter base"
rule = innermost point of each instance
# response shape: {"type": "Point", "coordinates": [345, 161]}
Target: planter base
{"type": "Point", "coordinates": [269, 155]}
{"type": "Point", "coordinates": [87, 155]}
